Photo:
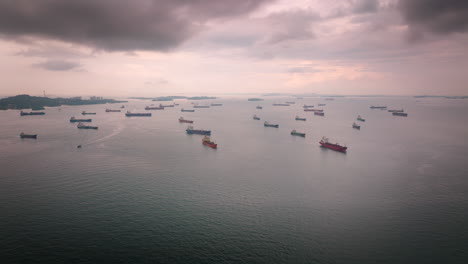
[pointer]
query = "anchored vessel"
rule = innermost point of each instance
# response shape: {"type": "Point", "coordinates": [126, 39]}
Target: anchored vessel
{"type": "Point", "coordinates": [378, 107]}
{"type": "Point", "coordinates": [307, 106]}
{"type": "Point", "coordinates": [300, 118]}
{"type": "Point", "coordinates": [137, 114]}
{"type": "Point", "coordinates": [216, 104]}
{"type": "Point", "coordinates": [83, 126]}
{"type": "Point", "coordinates": [207, 142]}
{"type": "Point", "coordinates": [321, 104]}
{"type": "Point", "coordinates": [160, 107]}
{"type": "Point", "coordinates": [280, 104]}
{"type": "Point", "coordinates": [259, 107]}
{"type": "Point", "coordinates": [255, 117]}
{"type": "Point", "coordinates": [313, 110]}
{"type": "Point", "coordinates": [359, 118]}
{"type": "Point", "coordinates": [73, 120]}
{"type": "Point", "coordinates": [295, 133]}
{"type": "Point", "coordinates": [31, 113]}
{"type": "Point", "coordinates": [355, 126]}
{"type": "Point", "coordinates": [187, 110]}
{"type": "Point", "coordinates": [190, 130]}
{"type": "Point", "coordinates": [321, 113]}
{"type": "Point", "coordinates": [396, 111]}
{"type": "Point", "coordinates": [266, 124]}
{"type": "Point", "coordinates": [182, 120]}
{"type": "Point", "coordinates": [337, 147]}
{"type": "Point", "coordinates": [399, 114]}
{"type": "Point", "coordinates": [290, 102]}
{"type": "Point", "coordinates": [86, 113]}
{"type": "Point", "coordinates": [110, 110]}
{"type": "Point", "coordinates": [201, 106]}
{"type": "Point", "coordinates": [23, 135]}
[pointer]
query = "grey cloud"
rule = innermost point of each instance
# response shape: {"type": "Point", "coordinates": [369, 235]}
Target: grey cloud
{"type": "Point", "coordinates": [435, 16]}
{"type": "Point", "coordinates": [58, 65]}
{"type": "Point", "coordinates": [292, 25]}
{"type": "Point", "coordinates": [365, 6]}
{"type": "Point", "coordinates": [116, 25]}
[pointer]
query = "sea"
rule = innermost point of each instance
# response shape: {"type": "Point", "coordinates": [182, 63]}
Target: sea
{"type": "Point", "coordinates": [141, 190]}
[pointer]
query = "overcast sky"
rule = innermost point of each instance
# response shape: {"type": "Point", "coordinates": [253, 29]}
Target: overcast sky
{"type": "Point", "coordinates": [163, 47]}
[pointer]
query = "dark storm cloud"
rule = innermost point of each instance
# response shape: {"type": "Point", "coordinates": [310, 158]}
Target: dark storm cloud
{"type": "Point", "coordinates": [436, 16]}
{"type": "Point", "coordinates": [58, 65]}
{"type": "Point", "coordinates": [116, 25]}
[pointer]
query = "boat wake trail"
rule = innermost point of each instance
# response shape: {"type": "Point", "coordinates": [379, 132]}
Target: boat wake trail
{"type": "Point", "coordinates": [115, 132]}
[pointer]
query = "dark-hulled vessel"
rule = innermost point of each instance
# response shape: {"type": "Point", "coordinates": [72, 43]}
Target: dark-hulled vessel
{"type": "Point", "coordinates": [359, 118]}
{"type": "Point", "coordinates": [74, 120]}
{"type": "Point", "coordinates": [129, 114]}
{"type": "Point", "coordinates": [160, 107]}
{"type": "Point", "coordinates": [317, 113]}
{"type": "Point", "coordinates": [112, 111]}
{"type": "Point", "coordinates": [31, 113]}
{"type": "Point", "coordinates": [399, 114]}
{"type": "Point", "coordinates": [280, 104]}
{"type": "Point", "coordinates": [378, 107]}
{"type": "Point", "coordinates": [300, 118]}
{"type": "Point", "coordinates": [307, 106]}
{"type": "Point", "coordinates": [23, 135]}
{"type": "Point", "coordinates": [201, 106]}
{"type": "Point", "coordinates": [295, 133]}
{"type": "Point", "coordinates": [356, 126]}
{"type": "Point", "coordinates": [83, 126]}
{"type": "Point", "coordinates": [259, 107]}
{"type": "Point", "coordinates": [190, 130]}
{"type": "Point", "coordinates": [337, 147]}
{"type": "Point", "coordinates": [187, 110]}
{"type": "Point", "coordinates": [182, 120]}
{"type": "Point", "coordinates": [207, 142]}
{"type": "Point", "coordinates": [87, 113]}
{"type": "Point", "coordinates": [266, 124]}
{"type": "Point", "coordinates": [255, 117]}
{"type": "Point", "coordinates": [216, 104]}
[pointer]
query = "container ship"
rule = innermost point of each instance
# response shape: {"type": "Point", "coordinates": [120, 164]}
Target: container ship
{"type": "Point", "coordinates": [190, 130]}
{"type": "Point", "coordinates": [295, 133]}
{"type": "Point", "coordinates": [280, 104]}
{"type": "Point", "coordinates": [207, 142]}
{"type": "Point", "coordinates": [110, 110]}
{"type": "Point", "coordinates": [300, 118]}
{"type": "Point", "coordinates": [187, 110]}
{"type": "Point", "coordinates": [337, 147]}
{"type": "Point", "coordinates": [86, 113]}
{"type": "Point", "coordinates": [259, 107]}
{"type": "Point", "coordinates": [266, 124]}
{"type": "Point", "coordinates": [137, 114]}
{"type": "Point", "coordinates": [160, 107]}
{"type": "Point", "coordinates": [73, 120]}
{"type": "Point", "coordinates": [31, 113]}
{"type": "Point", "coordinates": [182, 120]}
{"type": "Point", "coordinates": [83, 126]}
{"type": "Point", "coordinates": [399, 114]}
{"type": "Point", "coordinates": [359, 118]}
{"type": "Point", "coordinates": [23, 135]}
{"type": "Point", "coordinates": [319, 113]}
{"type": "Point", "coordinates": [378, 107]}
{"type": "Point", "coordinates": [356, 126]}
{"type": "Point", "coordinates": [255, 117]}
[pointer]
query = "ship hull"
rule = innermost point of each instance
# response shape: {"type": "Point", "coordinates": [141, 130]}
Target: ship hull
{"type": "Point", "coordinates": [276, 126]}
{"type": "Point", "coordinates": [199, 132]}
{"type": "Point", "coordinates": [32, 113]}
{"type": "Point", "coordinates": [210, 144]}
{"type": "Point", "coordinates": [333, 147]}
{"type": "Point", "coordinates": [137, 114]}
{"type": "Point", "coordinates": [298, 134]}
{"type": "Point", "coordinates": [80, 120]}
{"type": "Point", "coordinates": [29, 136]}
{"type": "Point", "coordinates": [399, 114]}
{"type": "Point", "coordinates": [185, 121]}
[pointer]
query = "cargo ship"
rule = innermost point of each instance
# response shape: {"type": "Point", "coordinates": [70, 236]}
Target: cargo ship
{"type": "Point", "coordinates": [201, 106]}
{"type": "Point", "coordinates": [136, 114]}
{"type": "Point", "coordinates": [259, 107]}
{"type": "Point", "coordinates": [110, 110]}
{"type": "Point", "coordinates": [83, 126]}
{"type": "Point", "coordinates": [321, 104]}
{"type": "Point", "coordinates": [182, 120]}
{"type": "Point", "coordinates": [359, 118]}
{"type": "Point", "coordinates": [23, 135]}
{"type": "Point", "coordinates": [337, 147]}
{"type": "Point", "coordinates": [378, 107]}
{"type": "Point", "coordinates": [187, 110]}
{"type": "Point", "coordinates": [295, 133]}
{"type": "Point", "coordinates": [313, 110]}
{"type": "Point", "coordinates": [266, 124]}
{"type": "Point", "coordinates": [207, 142]}
{"type": "Point", "coordinates": [300, 118]}
{"type": "Point", "coordinates": [86, 113]}
{"type": "Point", "coordinates": [399, 114]}
{"type": "Point", "coordinates": [396, 111]}
{"type": "Point", "coordinates": [319, 113]}
{"type": "Point", "coordinates": [216, 104]}
{"type": "Point", "coordinates": [190, 130]}
{"type": "Point", "coordinates": [355, 126]}
{"type": "Point", "coordinates": [255, 117]}
{"type": "Point", "coordinates": [280, 104]}
{"type": "Point", "coordinates": [31, 113]}
{"type": "Point", "coordinates": [73, 120]}
{"type": "Point", "coordinates": [308, 106]}
{"type": "Point", "coordinates": [160, 107]}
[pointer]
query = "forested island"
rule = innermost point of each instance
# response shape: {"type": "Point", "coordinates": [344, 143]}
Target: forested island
{"type": "Point", "coordinates": [172, 98]}
{"type": "Point", "coordinates": [25, 101]}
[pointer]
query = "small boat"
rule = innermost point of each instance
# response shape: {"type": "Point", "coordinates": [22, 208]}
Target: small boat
{"type": "Point", "coordinates": [280, 104]}
{"type": "Point", "coordinates": [129, 114]}
{"type": "Point", "coordinates": [399, 114]}
{"type": "Point", "coordinates": [31, 113]}
{"type": "Point", "coordinates": [321, 104]}
{"type": "Point", "coordinates": [201, 106]}
{"type": "Point", "coordinates": [255, 117]}
{"type": "Point", "coordinates": [160, 107]}
{"type": "Point", "coordinates": [187, 110]}
{"type": "Point", "coordinates": [396, 111]}
{"type": "Point", "coordinates": [190, 130]}
{"type": "Point", "coordinates": [79, 146]}
{"type": "Point", "coordinates": [23, 135]}
{"type": "Point", "coordinates": [295, 133]}
{"type": "Point", "coordinates": [307, 106]}
{"type": "Point", "coordinates": [182, 120]}
{"type": "Point", "coordinates": [359, 118]}
{"type": "Point", "coordinates": [123, 106]}
{"type": "Point", "coordinates": [378, 107]}
{"type": "Point", "coordinates": [74, 120]}
{"type": "Point", "coordinates": [259, 107]}
{"type": "Point", "coordinates": [337, 147]}
{"type": "Point", "coordinates": [110, 110]}
{"type": "Point", "coordinates": [266, 124]}
{"type": "Point", "coordinates": [216, 104]}
{"type": "Point", "coordinates": [319, 113]}
{"type": "Point", "coordinates": [83, 126]}
{"type": "Point", "coordinates": [86, 113]}
{"type": "Point", "coordinates": [207, 142]}
{"type": "Point", "coordinates": [355, 126]}
{"type": "Point", "coordinates": [300, 118]}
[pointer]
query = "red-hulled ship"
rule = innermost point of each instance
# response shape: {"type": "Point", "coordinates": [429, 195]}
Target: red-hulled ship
{"type": "Point", "coordinates": [324, 143]}
{"type": "Point", "coordinates": [182, 120]}
{"type": "Point", "coordinates": [207, 142]}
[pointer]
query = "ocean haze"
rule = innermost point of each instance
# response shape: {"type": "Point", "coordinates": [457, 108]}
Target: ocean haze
{"type": "Point", "coordinates": [140, 190]}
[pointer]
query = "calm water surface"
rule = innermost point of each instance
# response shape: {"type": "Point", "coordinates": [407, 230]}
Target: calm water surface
{"type": "Point", "coordinates": [142, 191]}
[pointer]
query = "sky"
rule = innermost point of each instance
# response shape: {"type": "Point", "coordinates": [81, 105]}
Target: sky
{"type": "Point", "coordinates": [151, 48]}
